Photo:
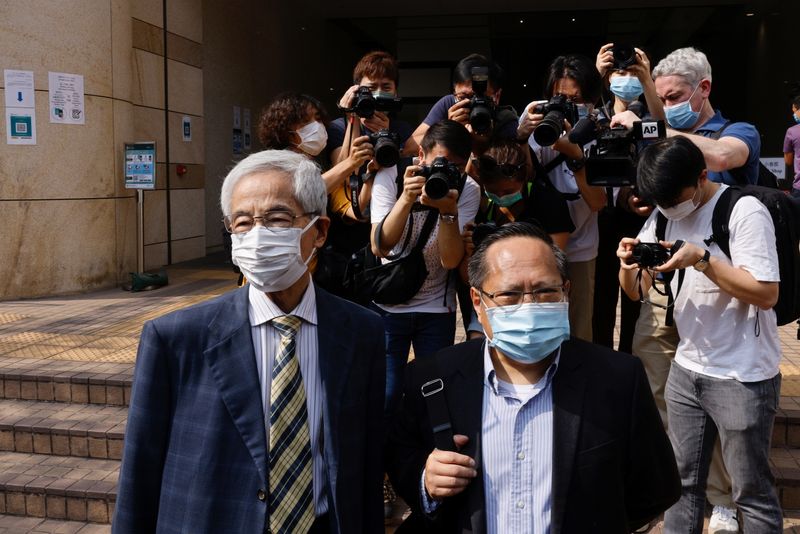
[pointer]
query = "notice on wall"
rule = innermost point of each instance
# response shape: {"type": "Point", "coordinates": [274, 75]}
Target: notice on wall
{"type": "Point", "coordinates": [246, 128]}
{"type": "Point", "coordinates": [776, 165]}
{"type": "Point", "coordinates": [20, 107]}
{"type": "Point", "coordinates": [187, 128]}
{"type": "Point", "coordinates": [140, 165]}
{"type": "Point", "coordinates": [66, 98]}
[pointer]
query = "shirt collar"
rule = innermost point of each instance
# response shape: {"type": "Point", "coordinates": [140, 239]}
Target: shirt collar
{"type": "Point", "coordinates": [263, 310]}
{"type": "Point", "coordinates": [713, 124]}
{"type": "Point", "coordinates": [490, 376]}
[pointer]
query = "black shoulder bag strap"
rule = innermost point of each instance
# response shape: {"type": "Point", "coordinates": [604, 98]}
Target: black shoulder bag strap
{"type": "Point", "coordinates": [438, 413]}
{"type": "Point", "coordinates": [425, 233]}
{"type": "Point", "coordinates": [543, 171]}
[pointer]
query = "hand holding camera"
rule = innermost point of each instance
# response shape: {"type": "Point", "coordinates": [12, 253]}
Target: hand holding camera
{"type": "Point", "coordinates": [634, 254]}
{"type": "Point", "coordinates": [360, 152]}
{"type": "Point", "coordinates": [459, 112]}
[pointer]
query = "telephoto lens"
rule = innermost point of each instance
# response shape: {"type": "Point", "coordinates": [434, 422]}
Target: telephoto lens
{"type": "Point", "coordinates": [550, 129]}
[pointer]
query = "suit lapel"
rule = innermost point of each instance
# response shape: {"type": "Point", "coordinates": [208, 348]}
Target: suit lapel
{"type": "Point", "coordinates": [568, 393]}
{"type": "Point", "coordinates": [335, 360]}
{"type": "Point", "coordinates": [233, 366]}
{"type": "Point", "coordinates": [466, 412]}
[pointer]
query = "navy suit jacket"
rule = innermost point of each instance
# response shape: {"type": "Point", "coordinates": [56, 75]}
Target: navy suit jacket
{"type": "Point", "coordinates": [195, 457]}
{"type": "Point", "coordinates": [613, 466]}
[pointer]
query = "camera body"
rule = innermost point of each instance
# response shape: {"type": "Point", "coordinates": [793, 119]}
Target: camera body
{"type": "Point", "coordinates": [365, 104]}
{"type": "Point", "coordinates": [649, 255]}
{"type": "Point", "coordinates": [612, 160]}
{"type": "Point", "coordinates": [624, 56]}
{"type": "Point", "coordinates": [555, 111]}
{"type": "Point", "coordinates": [387, 147]}
{"type": "Point", "coordinates": [440, 177]}
{"type": "Point", "coordinates": [482, 113]}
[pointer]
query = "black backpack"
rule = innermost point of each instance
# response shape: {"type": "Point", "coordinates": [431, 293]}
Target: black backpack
{"type": "Point", "coordinates": [785, 213]}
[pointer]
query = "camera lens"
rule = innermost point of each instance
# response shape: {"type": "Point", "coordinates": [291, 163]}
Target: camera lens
{"type": "Point", "coordinates": [480, 118]}
{"type": "Point", "coordinates": [550, 129]}
{"type": "Point", "coordinates": [437, 186]}
{"type": "Point", "coordinates": [624, 56]}
{"type": "Point", "coordinates": [365, 107]}
{"type": "Point", "coordinates": [387, 153]}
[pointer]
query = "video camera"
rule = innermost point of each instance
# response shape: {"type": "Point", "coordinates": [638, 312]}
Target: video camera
{"type": "Point", "coordinates": [387, 147]}
{"type": "Point", "coordinates": [555, 111]}
{"type": "Point", "coordinates": [612, 160]}
{"type": "Point", "coordinates": [366, 104]}
{"type": "Point", "coordinates": [482, 113]}
{"type": "Point", "coordinates": [441, 176]}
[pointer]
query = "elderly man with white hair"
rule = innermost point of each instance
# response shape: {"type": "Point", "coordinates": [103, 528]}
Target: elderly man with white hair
{"type": "Point", "coordinates": [260, 410]}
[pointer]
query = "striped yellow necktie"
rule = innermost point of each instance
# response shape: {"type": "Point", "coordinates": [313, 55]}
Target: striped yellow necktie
{"type": "Point", "coordinates": [291, 488]}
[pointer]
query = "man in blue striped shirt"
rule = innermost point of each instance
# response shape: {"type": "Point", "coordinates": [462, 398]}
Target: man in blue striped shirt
{"type": "Point", "coordinates": [549, 434]}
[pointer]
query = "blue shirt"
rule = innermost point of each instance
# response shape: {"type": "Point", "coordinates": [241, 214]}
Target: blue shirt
{"type": "Point", "coordinates": [438, 112]}
{"type": "Point", "coordinates": [517, 457]}
{"type": "Point", "coordinates": [744, 131]}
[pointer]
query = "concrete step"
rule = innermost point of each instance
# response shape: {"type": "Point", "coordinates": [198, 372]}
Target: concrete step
{"type": "Point", "coordinates": [65, 381]}
{"type": "Point", "coordinates": [58, 487]}
{"type": "Point", "coordinates": [82, 430]}
{"type": "Point", "coordinates": [786, 431]}
{"type": "Point", "coordinates": [12, 524]}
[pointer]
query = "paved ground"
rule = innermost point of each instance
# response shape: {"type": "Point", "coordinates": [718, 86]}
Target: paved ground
{"type": "Point", "coordinates": [94, 330]}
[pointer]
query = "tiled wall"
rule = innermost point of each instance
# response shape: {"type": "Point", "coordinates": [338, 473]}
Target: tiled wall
{"type": "Point", "coordinates": [67, 224]}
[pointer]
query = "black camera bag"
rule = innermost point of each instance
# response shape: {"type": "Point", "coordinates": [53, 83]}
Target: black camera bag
{"type": "Point", "coordinates": [395, 282]}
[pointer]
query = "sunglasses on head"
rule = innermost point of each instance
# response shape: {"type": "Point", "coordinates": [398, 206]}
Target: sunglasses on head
{"type": "Point", "coordinates": [489, 165]}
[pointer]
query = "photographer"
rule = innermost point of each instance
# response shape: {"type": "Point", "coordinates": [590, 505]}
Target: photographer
{"type": "Point", "coordinates": [513, 193]}
{"type": "Point", "coordinates": [428, 319]}
{"type": "Point", "coordinates": [458, 106]}
{"type": "Point", "coordinates": [626, 74]}
{"type": "Point", "coordinates": [724, 380]}
{"type": "Point", "coordinates": [377, 71]}
{"type": "Point", "coordinates": [577, 83]}
{"type": "Point", "coordinates": [683, 84]}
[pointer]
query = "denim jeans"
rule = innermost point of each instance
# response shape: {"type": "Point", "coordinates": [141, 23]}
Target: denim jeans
{"type": "Point", "coordinates": [427, 332]}
{"type": "Point", "coordinates": [698, 408]}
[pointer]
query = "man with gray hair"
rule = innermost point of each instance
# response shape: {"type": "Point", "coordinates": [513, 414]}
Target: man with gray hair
{"type": "Point", "coordinates": [683, 83]}
{"type": "Point", "coordinates": [260, 410]}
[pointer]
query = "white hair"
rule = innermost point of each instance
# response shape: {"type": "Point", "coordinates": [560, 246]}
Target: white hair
{"type": "Point", "coordinates": [690, 63]}
{"type": "Point", "coordinates": [309, 189]}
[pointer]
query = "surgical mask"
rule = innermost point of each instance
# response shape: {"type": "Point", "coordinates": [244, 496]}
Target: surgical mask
{"type": "Point", "coordinates": [680, 211]}
{"type": "Point", "coordinates": [313, 138]}
{"type": "Point", "coordinates": [270, 258]}
{"type": "Point", "coordinates": [506, 201]}
{"type": "Point", "coordinates": [682, 116]}
{"type": "Point", "coordinates": [531, 332]}
{"type": "Point", "coordinates": [796, 118]}
{"type": "Point", "coordinates": [583, 110]}
{"type": "Point", "coordinates": [627, 88]}
{"type": "Point", "coordinates": [383, 94]}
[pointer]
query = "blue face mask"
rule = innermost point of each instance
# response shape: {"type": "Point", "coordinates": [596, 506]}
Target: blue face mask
{"type": "Point", "coordinates": [531, 332]}
{"type": "Point", "coordinates": [682, 116]}
{"type": "Point", "coordinates": [627, 88]}
{"type": "Point", "coordinates": [796, 118]}
{"type": "Point", "coordinates": [506, 201]}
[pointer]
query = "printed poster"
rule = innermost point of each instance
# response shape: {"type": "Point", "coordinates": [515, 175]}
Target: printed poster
{"type": "Point", "coordinates": [66, 98]}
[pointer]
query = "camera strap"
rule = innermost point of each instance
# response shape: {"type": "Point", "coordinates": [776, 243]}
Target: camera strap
{"type": "Point", "coordinates": [543, 171]}
{"type": "Point", "coordinates": [355, 183]}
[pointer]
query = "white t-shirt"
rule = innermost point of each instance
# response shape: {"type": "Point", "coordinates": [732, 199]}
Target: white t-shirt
{"type": "Point", "coordinates": [717, 331]}
{"type": "Point", "coordinates": [582, 244]}
{"type": "Point", "coordinates": [431, 296]}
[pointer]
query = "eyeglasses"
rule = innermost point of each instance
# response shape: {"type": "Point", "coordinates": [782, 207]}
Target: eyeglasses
{"type": "Point", "coordinates": [515, 299]}
{"type": "Point", "coordinates": [489, 165]}
{"type": "Point", "coordinates": [239, 223]}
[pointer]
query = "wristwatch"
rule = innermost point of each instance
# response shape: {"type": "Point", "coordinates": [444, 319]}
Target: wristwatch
{"type": "Point", "coordinates": [702, 263]}
{"type": "Point", "coordinates": [448, 219]}
{"type": "Point", "coordinates": [575, 164]}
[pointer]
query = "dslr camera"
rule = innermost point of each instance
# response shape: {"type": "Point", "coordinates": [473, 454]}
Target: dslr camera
{"type": "Point", "coordinates": [440, 177]}
{"type": "Point", "coordinates": [365, 104]}
{"type": "Point", "coordinates": [649, 255]}
{"type": "Point", "coordinates": [482, 113]}
{"type": "Point", "coordinates": [624, 56]}
{"type": "Point", "coordinates": [612, 160]}
{"type": "Point", "coordinates": [555, 111]}
{"type": "Point", "coordinates": [387, 147]}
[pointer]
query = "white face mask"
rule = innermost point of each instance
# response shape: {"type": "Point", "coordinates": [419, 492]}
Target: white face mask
{"type": "Point", "coordinates": [682, 210]}
{"type": "Point", "coordinates": [271, 258]}
{"type": "Point", "coordinates": [313, 138]}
